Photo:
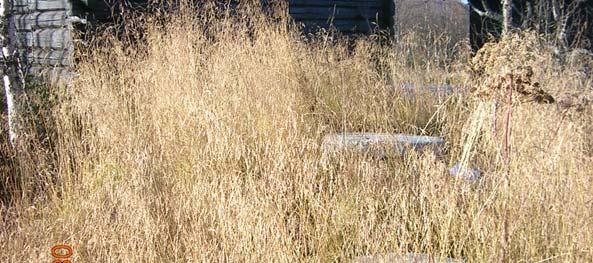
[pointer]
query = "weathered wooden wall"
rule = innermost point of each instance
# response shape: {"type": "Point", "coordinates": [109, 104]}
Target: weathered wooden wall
{"type": "Point", "coordinates": [348, 16]}
{"type": "Point", "coordinates": [43, 35]}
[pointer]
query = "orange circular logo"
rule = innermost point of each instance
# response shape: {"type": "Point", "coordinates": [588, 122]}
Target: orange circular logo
{"type": "Point", "coordinates": [61, 253]}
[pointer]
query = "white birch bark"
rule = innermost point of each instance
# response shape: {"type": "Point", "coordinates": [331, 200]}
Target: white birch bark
{"type": "Point", "coordinates": [562, 12]}
{"type": "Point", "coordinates": [9, 69]}
{"type": "Point", "coordinates": [562, 35]}
{"type": "Point", "coordinates": [507, 16]}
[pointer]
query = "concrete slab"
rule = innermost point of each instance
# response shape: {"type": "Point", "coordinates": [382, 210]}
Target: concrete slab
{"type": "Point", "coordinates": [380, 145]}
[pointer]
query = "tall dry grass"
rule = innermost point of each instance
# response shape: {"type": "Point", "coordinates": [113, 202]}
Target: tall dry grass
{"type": "Point", "coordinates": [199, 142]}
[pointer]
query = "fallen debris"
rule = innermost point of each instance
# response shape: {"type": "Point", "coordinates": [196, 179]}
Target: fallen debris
{"type": "Point", "coordinates": [405, 258]}
{"type": "Point", "coordinates": [380, 145]}
{"type": "Point", "coordinates": [465, 173]}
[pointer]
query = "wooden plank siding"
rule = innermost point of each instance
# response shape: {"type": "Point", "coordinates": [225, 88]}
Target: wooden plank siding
{"type": "Point", "coordinates": [29, 6]}
{"type": "Point", "coordinates": [40, 20]}
{"type": "Point", "coordinates": [347, 16]}
{"type": "Point", "coordinates": [43, 36]}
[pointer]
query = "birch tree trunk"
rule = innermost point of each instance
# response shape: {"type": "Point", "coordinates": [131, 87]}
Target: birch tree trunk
{"type": "Point", "coordinates": [566, 9]}
{"type": "Point", "coordinates": [9, 68]}
{"type": "Point", "coordinates": [507, 16]}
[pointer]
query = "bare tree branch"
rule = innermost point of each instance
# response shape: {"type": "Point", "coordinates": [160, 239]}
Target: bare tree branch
{"type": "Point", "coordinates": [487, 12]}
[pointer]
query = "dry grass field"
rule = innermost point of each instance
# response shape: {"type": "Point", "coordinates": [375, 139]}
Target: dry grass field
{"type": "Point", "coordinates": [199, 141]}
